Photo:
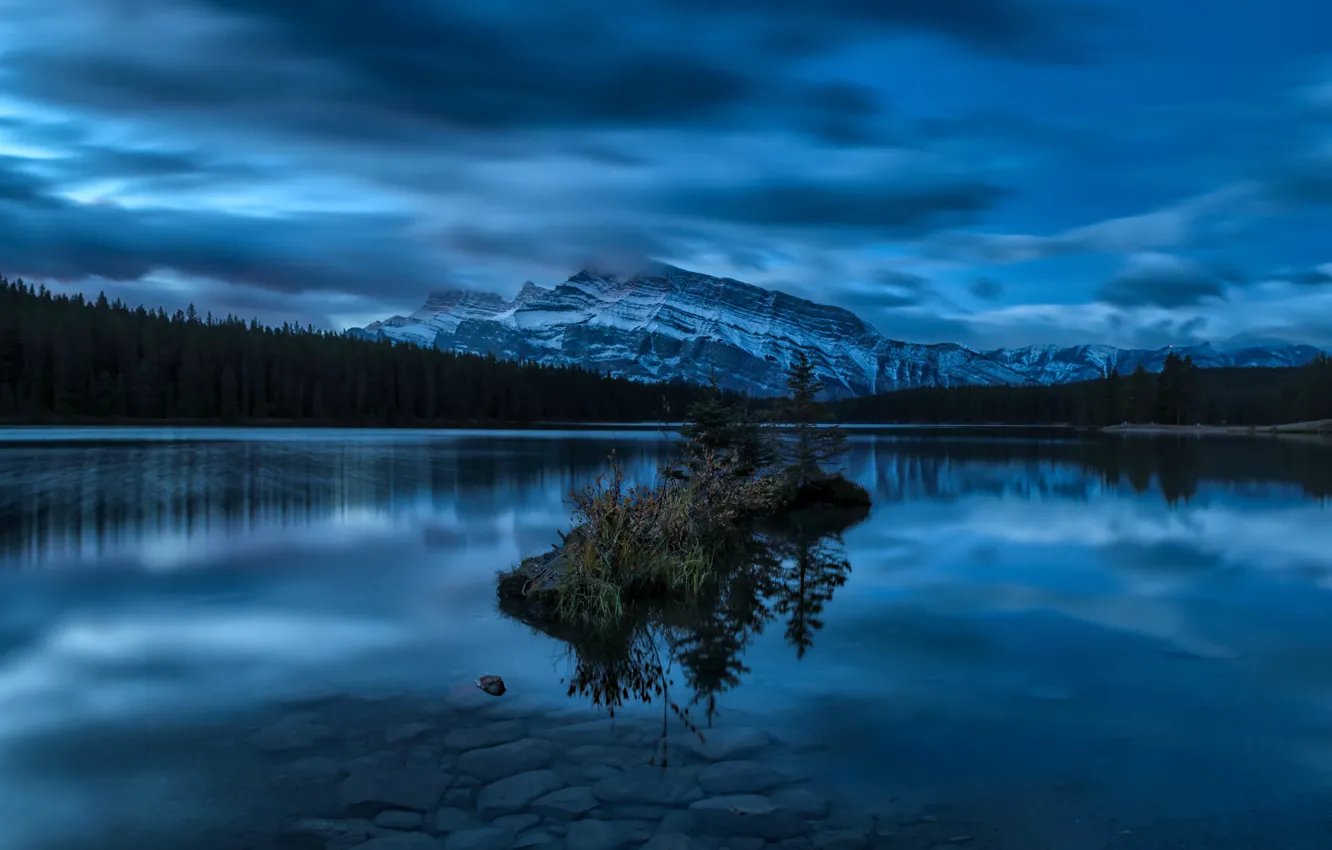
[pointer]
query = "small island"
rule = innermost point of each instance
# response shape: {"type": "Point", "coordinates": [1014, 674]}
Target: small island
{"type": "Point", "coordinates": [671, 539]}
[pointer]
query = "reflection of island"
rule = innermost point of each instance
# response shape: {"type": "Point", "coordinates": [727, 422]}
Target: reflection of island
{"type": "Point", "coordinates": [786, 573]}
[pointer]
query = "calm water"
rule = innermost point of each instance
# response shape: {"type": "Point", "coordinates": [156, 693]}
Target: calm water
{"type": "Point", "coordinates": [1032, 642]}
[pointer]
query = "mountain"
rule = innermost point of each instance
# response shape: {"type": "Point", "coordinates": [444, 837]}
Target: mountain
{"type": "Point", "coordinates": [670, 323]}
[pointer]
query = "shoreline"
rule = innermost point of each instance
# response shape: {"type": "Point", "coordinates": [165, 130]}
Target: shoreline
{"type": "Point", "coordinates": [1316, 428]}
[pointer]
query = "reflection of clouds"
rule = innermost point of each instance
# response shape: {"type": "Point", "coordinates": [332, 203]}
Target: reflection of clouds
{"type": "Point", "coordinates": [1283, 536]}
{"type": "Point", "coordinates": [1043, 556]}
{"type": "Point", "coordinates": [88, 668]}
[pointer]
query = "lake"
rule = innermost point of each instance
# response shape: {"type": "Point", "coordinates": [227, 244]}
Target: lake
{"type": "Point", "coordinates": [268, 639]}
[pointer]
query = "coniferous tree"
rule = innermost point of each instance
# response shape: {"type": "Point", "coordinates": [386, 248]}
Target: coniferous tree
{"type": "Point", "coordinates": [1189, 401]}
{"type": "Point", "coordinates": [720, 434]}
{"type": "Point", "coordinates": [1169, 391]}
{"type": "Point", "coordinates": [1141, 395]}
{"type": "Point", "coordinates": [814, 442]}
{"type": "Point", "coordinates": [1112, 399]}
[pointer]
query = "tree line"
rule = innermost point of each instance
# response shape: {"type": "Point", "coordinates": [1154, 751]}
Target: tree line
{"type": "Point", "coordinates": [68, 359]}
{"type": "Point", "coordinates": [1181, 394]}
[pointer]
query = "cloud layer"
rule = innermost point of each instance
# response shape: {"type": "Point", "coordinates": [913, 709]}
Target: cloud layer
{"type": "Point", "coordinates": [985, 171]}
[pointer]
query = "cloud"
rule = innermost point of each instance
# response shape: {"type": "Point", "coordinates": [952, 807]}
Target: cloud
{"type": "Point", "coordinates": [890, 289]}
{"type": "Point", "coordinates": [1041, 33]}
{"type": "Point", "coordinates": [416, 68]}
{"type": "Point", "coordinates": [986, 288]}
{"type": "Point", "coordinates": [18, 184]}
{"type": "Point", "coordinates": [1164, 280]}
{"type": "Point", "coordinates": [50, 237]}
{"type": "Point", "coordinates": [1318, 276]}
{"type": "Point", "coordinates": [1182, 223]}
{"type": "Point", "coordinates": [890, 207]}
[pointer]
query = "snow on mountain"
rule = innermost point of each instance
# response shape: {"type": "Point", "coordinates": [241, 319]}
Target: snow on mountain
{"type": "Point", "coordinates": [670, 323]}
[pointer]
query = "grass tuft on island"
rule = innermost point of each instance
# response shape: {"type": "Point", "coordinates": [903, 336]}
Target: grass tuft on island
{"type": "Point", "coordinates": [675, 537]}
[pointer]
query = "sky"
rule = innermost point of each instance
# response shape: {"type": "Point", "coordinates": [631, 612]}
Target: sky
{"type": "Point", "coordinates": [990, 172]}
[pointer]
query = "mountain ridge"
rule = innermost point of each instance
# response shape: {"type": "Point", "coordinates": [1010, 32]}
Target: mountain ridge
{"type": "Point", "coordinates": [665, 322]}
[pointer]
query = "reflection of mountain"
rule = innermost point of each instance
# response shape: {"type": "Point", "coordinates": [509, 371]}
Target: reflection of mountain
{"type": "Point", "coordinates": [933, 468]}
{"type": "Point", "coordinates": [74, 500]}
{"type": "Point", "coordinates": [788, 573]}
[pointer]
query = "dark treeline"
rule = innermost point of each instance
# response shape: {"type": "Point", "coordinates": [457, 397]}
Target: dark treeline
{"type": "Point", "coordinates": [65, 358]}
{"type": "Point", "coordinates": [1181, 394]}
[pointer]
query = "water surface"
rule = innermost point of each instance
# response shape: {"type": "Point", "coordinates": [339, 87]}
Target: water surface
{"type": "Point", "coordinates": [1034, 641]}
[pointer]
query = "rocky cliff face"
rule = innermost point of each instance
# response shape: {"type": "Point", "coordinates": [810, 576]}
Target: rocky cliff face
{"type": "Point", "coordinates": [670, 323]}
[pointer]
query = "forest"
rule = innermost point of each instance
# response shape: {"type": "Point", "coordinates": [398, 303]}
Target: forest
{"type": "Point", "coordinates": [1181, 394]}
{"type": "Point", "coordinates": [71, 359]}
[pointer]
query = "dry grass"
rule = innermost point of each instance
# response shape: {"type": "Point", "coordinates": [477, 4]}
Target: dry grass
{"type": "Point", "coordinates": [664, 538]}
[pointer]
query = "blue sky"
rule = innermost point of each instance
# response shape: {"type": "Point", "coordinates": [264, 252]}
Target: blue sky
{"type": "Point", "coordinates": [993, 172]}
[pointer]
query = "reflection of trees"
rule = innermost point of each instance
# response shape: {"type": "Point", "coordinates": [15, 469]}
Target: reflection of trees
{"type": "Point", "coordinates": [86, 497]}
{"type": "Point", "coordinates": [790, 572]}
{"type": "Point", "coordinates": [812, 565]}
{"type": "Point", "coordinates": [937, 467]}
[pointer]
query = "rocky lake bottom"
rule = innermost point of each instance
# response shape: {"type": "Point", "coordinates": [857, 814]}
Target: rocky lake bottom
{"type": "Point", "coordinates": [474, 772]}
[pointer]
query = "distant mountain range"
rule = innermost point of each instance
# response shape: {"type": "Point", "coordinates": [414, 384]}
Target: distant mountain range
{"type": "Point", "coordinates": [671, 323]}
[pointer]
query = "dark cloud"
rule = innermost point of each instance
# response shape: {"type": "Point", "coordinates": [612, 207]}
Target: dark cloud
{"type": "Point", "coordinates": [917, 325]}
{"type": "Point", "coordinates": [986, 288]}
{"type": "Point", "coordinates": [414, 68]}
{"type": "Point", "coordinates": [1168, 282]}
{"type": "Point", "coordinates": [889, 207]}
{"type": "Point", "coordinates": [18, 184]}
{"type": "Point", "coordinates": [1169, 331]}
{"type": "Point", "coordinates": [893, 289]}
{"type": "Point", "coordinates": [565, 246]}
{"type": "Point", "coordinates": [1306, 277]}
{"type": "Point", "coordinates": [48, 237]}
{"type": "Point", "coordinates": [1303, 179]}
{"type": "Point", "coordinates": [1039, 32]}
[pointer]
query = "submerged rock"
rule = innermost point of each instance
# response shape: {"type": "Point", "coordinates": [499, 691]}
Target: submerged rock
{"type": "Point", "coordinates": [513, 794]}
{"type": "Point", "coordinates": [370, 790]}
{"type": "Point", "coordinates": [494, 763]}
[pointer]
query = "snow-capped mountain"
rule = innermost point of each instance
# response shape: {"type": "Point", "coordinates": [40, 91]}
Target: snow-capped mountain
{"type": "Point", "coordinates": [671, 323]}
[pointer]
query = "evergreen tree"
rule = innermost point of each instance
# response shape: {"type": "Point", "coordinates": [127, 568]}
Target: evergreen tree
{"type": "Point", "coordinates": [1112, 399]}
{"type": "Point", "coordinates": [719, 434]}
{"type": "Point", "coordinates": [1169, 391]}
{"type": "Point", "coordinates": [1141, 395]}
{"type": "Point", "coordinates": [813, 442]}
{"type": "Point", "coordinates": [1189, 400]}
